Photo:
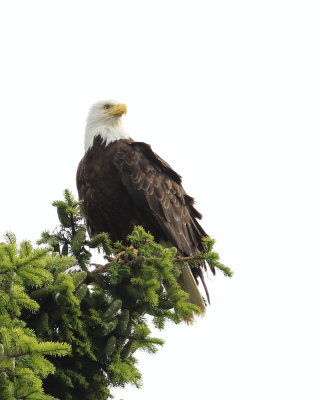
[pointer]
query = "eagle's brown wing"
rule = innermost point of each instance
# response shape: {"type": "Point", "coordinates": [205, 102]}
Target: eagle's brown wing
{"type": "Point", "coordinates": [155, 188]}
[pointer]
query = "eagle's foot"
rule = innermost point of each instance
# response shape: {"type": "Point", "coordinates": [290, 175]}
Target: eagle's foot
{"type": "Point", "coordinates": [119, 256]}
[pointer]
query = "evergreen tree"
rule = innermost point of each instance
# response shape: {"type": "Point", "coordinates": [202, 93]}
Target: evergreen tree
{"type": "Point", "coordinates": [23, 364]}
{"type": "Point", "coordinates": [100, 310]}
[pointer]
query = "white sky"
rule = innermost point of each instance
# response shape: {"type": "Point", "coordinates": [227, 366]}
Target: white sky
{"type": "Point", "coordinates": [228, 93]}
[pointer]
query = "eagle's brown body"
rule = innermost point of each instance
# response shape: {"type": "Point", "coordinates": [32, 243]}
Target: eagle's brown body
{"type": "Point", "coordinates": [125, 184]}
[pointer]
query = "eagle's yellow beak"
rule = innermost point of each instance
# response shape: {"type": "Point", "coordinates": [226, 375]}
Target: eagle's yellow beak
{"type": "Point", "coordinates": [118, 109]}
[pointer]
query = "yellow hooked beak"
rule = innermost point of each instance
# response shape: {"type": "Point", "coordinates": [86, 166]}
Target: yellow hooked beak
{"type": "Point", "coordinates": [118, 109]}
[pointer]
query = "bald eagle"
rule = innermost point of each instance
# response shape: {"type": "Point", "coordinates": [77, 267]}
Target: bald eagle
{"type": "Point", "coordinates": [123, 183]}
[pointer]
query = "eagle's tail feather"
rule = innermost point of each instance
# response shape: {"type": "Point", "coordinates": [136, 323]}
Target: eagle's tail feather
{"type": "Point", "coordinates": [204, 285]}
{"type": "Point", "coordinates": [189, 285]}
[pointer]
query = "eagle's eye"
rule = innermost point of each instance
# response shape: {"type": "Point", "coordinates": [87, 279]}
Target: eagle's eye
{"type": "Point", "coordinates": [106, 106]}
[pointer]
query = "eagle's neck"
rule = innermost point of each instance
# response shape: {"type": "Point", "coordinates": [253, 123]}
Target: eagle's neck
{"type": "Point", "coordinates": [109, 133]}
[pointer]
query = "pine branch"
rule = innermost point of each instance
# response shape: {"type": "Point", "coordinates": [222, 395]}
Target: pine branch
{"type": "Point", "coordinates": [22, 357]}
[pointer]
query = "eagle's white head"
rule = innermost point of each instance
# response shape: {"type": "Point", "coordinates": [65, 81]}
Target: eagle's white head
{"type": "Point", "coordinates": [104, 119]}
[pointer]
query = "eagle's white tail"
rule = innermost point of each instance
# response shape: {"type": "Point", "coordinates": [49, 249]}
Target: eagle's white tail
{"type": "Point", "coordinates": [189, 285]}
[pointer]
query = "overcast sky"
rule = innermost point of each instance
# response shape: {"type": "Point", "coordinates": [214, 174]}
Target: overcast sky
{"type": "Point", "coordinates": [228, 92]}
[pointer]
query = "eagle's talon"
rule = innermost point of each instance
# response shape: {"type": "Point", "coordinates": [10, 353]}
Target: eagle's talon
{"type": "Point", "coordinates": [119, 258]}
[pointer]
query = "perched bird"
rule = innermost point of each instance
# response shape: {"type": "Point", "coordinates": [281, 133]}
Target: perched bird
{"type": "Point", "coordinates": [123, 183]}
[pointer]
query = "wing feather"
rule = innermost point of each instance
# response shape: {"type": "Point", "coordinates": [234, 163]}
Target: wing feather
{"type": "Point", "coordinates": [156, 189]}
